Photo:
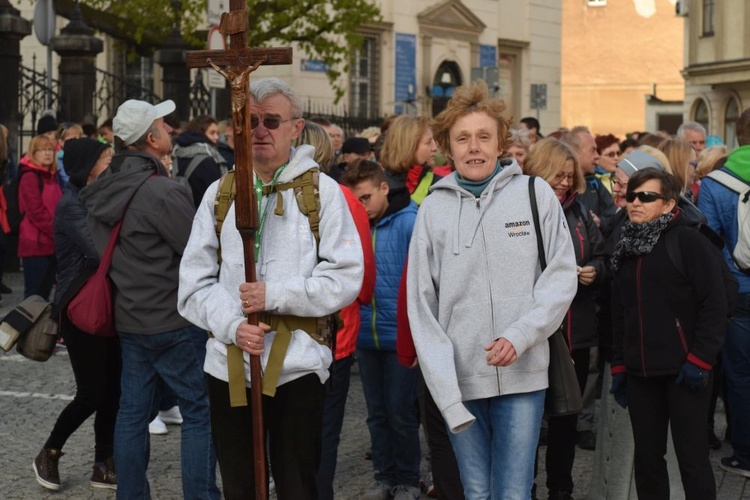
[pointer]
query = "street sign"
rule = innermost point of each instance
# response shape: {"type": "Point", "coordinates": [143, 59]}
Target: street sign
{"type": "Point", "coordinates": [216, 41]}
{"type": "Point", "coordinates": [44, 21]}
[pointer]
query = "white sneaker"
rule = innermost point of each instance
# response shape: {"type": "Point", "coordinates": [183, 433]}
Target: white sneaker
{"type": "Point", "coordinates": [157, 427]}
{"type": "Point", "coordinates": [171, 416]}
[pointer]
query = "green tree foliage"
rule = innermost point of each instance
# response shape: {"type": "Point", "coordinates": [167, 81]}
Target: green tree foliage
{"type": "Point", "coordinates": [324, 30]}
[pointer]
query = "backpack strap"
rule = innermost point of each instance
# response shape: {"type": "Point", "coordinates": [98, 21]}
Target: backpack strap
{"type": "Point", "coordinates": [306, 189]}
{"type": "Point", "coordinates": [731, 182]}
{"type": "Point", "coordinates": [193, 165]}
{"type": "Point", "coordinates": [224, 199]}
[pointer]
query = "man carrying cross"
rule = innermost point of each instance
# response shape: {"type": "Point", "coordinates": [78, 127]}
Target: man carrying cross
{"type": "Point", "coordinates": [301, 277]}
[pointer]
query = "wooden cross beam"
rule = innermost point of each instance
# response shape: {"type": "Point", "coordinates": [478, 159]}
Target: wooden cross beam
{"type": "Point", "coordinates": [235, 64]}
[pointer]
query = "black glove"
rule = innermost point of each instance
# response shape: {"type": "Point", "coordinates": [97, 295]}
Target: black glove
{"type": "Point", "coordinates": [620, 389]}
{"type": "Point", "coordinates": [695, 377]}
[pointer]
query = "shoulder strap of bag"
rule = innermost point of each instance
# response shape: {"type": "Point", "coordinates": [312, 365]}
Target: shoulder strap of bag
{"type": "Point", "coordinates": [194, 162]}
{"type": "Point", "coordinates": [729, 181]}
{"type": "Point", "coordinates": [537, 225]}
{"type": "Point", "coordinates": [307, 192]}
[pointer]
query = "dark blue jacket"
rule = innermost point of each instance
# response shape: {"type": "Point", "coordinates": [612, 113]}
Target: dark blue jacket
{"type": "Point", "coordinates": [390, 238]}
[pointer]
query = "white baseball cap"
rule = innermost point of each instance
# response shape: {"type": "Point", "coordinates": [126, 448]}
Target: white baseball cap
{"type": "Point", "coordinates": [134, 118]}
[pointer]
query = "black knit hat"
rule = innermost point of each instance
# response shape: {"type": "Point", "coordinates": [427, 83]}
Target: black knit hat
{"type": "Point", "coordinates": [46, 123]}
{"type": "Point", "coordinates": [80, 157]}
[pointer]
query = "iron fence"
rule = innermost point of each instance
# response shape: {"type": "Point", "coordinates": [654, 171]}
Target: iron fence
{"type": "Point", "coordinates": [112, 90]}
{"type": "Point", "coordinates": [34, 98]}
{"type": "Point", "coordinates": [350, 123]}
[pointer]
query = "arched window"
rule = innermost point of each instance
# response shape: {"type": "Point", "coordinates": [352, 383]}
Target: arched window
{"type": "Point", "coordinates": [700, 113]}
{"type": "Point", "coordinates": [447, 78]}
{"type": "Point", "coordinates": [731, 114]}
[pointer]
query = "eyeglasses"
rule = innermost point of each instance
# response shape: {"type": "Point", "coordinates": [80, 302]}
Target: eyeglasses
{"type": "Point", "coordinates": [270, 122]}
{"type": "Point", "coordinates": [612, 154]}
{"type": "Point", "coordinates": [45, 150]}
{"type": "Point", "coordinates": [643, 196]}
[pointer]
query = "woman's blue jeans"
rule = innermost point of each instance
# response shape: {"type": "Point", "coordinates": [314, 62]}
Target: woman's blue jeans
{"type": "Point", "coordinates": [496, 453]}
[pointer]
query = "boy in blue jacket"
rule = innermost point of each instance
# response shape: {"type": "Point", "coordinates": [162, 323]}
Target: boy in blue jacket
{"type": "Point", "coordinates": [390, 388]}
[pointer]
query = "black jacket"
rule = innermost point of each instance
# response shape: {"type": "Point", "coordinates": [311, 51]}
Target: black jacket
{"type": "Point", "coordinates": [191, 145]}
{"type": "Point", "coordinates": [597, 199]}
{"type": "Point", "coordinates": [580, 321]}
{"type": "Point", "coordinates": [75, 251]}
{"type": "Point", "coordinates": [663, 316]}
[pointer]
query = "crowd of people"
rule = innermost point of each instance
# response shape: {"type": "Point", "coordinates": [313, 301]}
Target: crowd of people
{"type": "Point", "coordinates": [438, 254]}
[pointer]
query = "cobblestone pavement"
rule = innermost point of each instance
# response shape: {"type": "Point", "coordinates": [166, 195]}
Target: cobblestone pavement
{"type": "Point", "coordinates": [32, 394]}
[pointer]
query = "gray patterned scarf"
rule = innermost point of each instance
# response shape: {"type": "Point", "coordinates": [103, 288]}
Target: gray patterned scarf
{"type": "Point", "coordinates": [639, 239]}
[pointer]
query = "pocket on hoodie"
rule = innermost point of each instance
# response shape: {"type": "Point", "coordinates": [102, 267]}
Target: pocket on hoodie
{"type": "Point", "coordinates": [470, 330]}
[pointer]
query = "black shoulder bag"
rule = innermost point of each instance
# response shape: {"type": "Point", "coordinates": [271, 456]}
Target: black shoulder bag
{"type": "Point", "coordinates": [563, 395]}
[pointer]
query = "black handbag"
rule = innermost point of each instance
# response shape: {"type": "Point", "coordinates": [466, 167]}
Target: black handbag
{"type": "Point", "coordinates": [563, 394]}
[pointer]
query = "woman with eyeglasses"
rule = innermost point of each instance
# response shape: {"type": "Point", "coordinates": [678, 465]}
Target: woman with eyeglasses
{"type": "Point", "coordinates": [608, 147]}
{"type": "Point", "coordinates": [38, 194]}
{"type": "Point", "coordinates": [669, 318]}
{"type": "Point", "coordinates": [554, 162]}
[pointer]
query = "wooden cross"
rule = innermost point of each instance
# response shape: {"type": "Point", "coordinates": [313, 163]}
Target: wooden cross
{"type": "Point", "coordinates": [235, 64]}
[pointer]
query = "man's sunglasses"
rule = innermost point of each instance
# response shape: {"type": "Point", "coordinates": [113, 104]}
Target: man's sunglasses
{"type": "Point", "coordinates": [270, 122]}
{"type": "Point", "coordinates": [643, 196]}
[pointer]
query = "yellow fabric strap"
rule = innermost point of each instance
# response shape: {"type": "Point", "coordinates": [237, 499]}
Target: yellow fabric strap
{"type": "Point", "coordinates": [224, 198]}
{"type": "Point", "coordinates": [284, 326]}
{"type": "Point", "coordinates": [423, 188]}
{"type": "Point", "coordinates": [236, 372]}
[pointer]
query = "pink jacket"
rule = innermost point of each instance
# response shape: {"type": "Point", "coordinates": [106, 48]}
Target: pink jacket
{"type": "Point", "coordinates": [38, 206]}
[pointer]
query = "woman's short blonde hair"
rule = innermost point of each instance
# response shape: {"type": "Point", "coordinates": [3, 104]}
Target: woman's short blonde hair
{"type": "Point", "coordinates": [466, 100]}
{"type": "Point", "coordinates": [548, 157]}
{"type": "Point", "coordinates": [316, 136]}
{"type": "Point", "coordinates": [401, 142]}
{"type": "Point", "coordinates": [658, 155]}
{"type": "Point", "coordinates": [66, 130]}
{"type": "Point", "coordinates": [709, 160]}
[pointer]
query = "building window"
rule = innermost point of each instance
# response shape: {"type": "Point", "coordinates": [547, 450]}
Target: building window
{"type": "Point", "coordinates": [730, 121]}
{"type": "Point", "coordinates": [364, 88]}
{"type": "Point", "coordinates": [700, 113]}
{"type": "Point", "coordinates": [709, 8]}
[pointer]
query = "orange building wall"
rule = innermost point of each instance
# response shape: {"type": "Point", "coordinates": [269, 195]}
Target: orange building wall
{"type": "Point", "coordinates": [611, 56]}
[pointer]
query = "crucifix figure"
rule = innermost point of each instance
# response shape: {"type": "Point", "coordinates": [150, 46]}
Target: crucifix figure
{"type": "Point", "coordinates": [235, 64]}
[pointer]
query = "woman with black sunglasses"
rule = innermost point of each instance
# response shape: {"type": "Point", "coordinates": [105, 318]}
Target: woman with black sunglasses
{"type": "Point", "coordinates": [668, 327]}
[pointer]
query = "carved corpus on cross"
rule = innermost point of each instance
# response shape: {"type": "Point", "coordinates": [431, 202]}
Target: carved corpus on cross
{"type": "Point", "coordinates": [235, 64]}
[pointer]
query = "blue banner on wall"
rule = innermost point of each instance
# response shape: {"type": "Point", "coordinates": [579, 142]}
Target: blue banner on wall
{"type": "Point", "coordinates": [406, 70]}
{"type": "Point", "coordinates": [487, 56]}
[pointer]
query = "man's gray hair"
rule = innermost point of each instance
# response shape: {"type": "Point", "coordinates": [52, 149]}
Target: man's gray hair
{"type": "Point", "coordinates": [694, 126]}
{"type": "Point", "coordinates": [268, 87]}
{"type": "Point", "coordinates": [572, 138]}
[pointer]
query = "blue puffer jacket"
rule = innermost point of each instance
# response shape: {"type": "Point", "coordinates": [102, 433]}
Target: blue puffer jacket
{"type": "Point", "coordinates": [719, 205]}
{"type": "Point", "coordinates": [390, 239]}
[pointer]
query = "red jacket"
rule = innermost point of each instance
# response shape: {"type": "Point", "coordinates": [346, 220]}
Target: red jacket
{"type": "Point", "coordinates": [405, 349]}
{"type": "Point", "coordinates": [346, 338]}
{"type": "Point", "coordinates": [38, 206]}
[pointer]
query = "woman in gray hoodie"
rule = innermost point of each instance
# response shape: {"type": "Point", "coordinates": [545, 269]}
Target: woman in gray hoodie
{"type": "Point", "coordinates": [480, 308]}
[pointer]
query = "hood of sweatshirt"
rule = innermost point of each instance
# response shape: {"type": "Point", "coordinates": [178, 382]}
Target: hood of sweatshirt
{"type": "Point", "coordinates": [107, 197]}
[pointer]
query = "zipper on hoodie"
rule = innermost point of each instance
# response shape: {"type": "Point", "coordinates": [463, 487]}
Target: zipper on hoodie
{"type": "Point", "coordinates": [682, 334]}
{"type": "Point", "coordinates": [489, 292]}
{"type": "Point", "coordinates": [639, 265]}
{"type": "Point", "coordinates": [570, 330]}
{"type": "Point", "coordinates": [374, 308]}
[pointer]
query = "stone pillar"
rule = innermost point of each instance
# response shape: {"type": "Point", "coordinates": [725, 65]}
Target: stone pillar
{"type": "Point", "coordinates": [13, 28]}
{"type": "Point", "coordinates": [175, 74]}
{"type": "Point", "coordinates": [77, 47]}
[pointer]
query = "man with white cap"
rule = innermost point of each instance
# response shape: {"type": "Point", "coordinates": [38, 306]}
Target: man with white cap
{"type": "Point", "coordinates": [157, 343]}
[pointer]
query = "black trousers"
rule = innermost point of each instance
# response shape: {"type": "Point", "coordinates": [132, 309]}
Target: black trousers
{"type": "Point", "coordinates": [561, 437]}
{"type": "Point", "coordinates": [445, 474]}
{"type": "Point", "coordinates": [293, 421]}
{"type": "Point", "coordinates": [97, 365]}
{"type": "Point", "coordinates": [654, 403]}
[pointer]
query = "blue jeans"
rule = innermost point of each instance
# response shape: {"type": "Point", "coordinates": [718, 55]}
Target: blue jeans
{"type": "Point", "coordinates": [496, 453]}
{"type": "Point", "coordinates": [336, 389]}
{"type": "Point", "coordinates": [175, 357]}
{"type": "Point", "coordinates": [735, 357]}
{"type": "Point", "coordinates": [392, 416]}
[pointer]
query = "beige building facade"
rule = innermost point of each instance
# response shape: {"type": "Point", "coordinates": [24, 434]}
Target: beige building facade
{"type": "Point", "coordinates": [717, 63]}
{"type": "Point", "coordinates": [413, 59]}
{"type": "Point", "coordinates": [621, 62]}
